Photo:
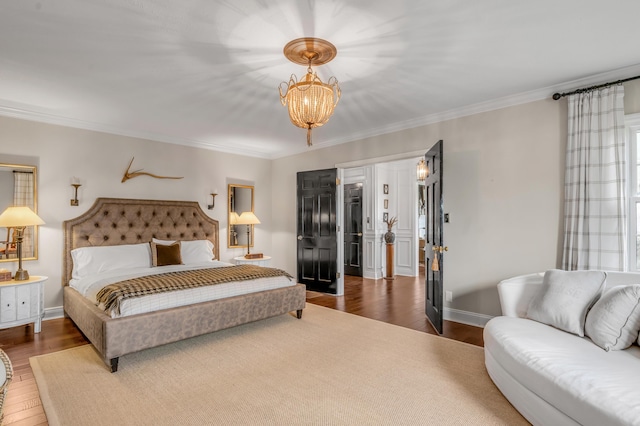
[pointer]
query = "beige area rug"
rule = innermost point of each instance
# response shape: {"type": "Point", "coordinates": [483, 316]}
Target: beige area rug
{"type": "Point", "coordinates": [327, 368]}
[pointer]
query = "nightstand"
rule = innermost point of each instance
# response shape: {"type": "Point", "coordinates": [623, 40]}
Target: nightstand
{"type": "Point", "coordinates": [260, 261]}
{"type": "Point", "coordinates": [22, 302]}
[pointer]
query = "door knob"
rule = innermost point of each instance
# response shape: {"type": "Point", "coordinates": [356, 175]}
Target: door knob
{"type": "Point", "coordinates": [299, 237]}
{"type": "Point", "coordinates": [359, 234]}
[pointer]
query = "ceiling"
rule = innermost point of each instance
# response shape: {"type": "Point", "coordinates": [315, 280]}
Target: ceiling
{"type": "Point", "coordinates": [205, 73]}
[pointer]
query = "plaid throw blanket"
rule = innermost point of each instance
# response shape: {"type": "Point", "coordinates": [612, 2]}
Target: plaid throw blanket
{"type": "Point", "coordinates": [112, 295]}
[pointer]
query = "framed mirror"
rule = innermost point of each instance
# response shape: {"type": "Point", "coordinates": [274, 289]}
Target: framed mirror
{"type": "Point", "coordinates": [18, 187]}
{"type": "Point", "coordinates": [240, 199]}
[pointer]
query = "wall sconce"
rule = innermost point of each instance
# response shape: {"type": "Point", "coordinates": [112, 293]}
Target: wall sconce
{"type": "Point", "coordinates": [213, 201]}
{"type": "Point", "coordinates": [75, 182]}
{"type": "Point", "coordinates": [421, 170]}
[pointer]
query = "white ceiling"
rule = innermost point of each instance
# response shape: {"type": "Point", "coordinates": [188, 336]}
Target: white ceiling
{"type": "Point", "coordinates": [205, 73]}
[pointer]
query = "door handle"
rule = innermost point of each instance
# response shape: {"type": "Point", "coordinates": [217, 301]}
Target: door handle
{"type": "Point", "coordinates": [359, 234]}
{"type": "Point", "coordinates": [440, 249]}
{"type": "Point", "coordinates": [299, 237]}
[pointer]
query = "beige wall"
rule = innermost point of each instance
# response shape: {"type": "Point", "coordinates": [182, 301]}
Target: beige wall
{"type": "Point", "coordinates": [503, 189]}
{"type": "Point", "coordinates": [100, 159]}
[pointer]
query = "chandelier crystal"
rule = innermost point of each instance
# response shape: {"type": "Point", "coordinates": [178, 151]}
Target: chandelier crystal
{"type": "Point", "coordinates": [310, 101]}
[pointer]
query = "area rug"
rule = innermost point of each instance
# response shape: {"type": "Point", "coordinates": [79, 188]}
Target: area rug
{"type": "Point", "coordinates": [327, 368]}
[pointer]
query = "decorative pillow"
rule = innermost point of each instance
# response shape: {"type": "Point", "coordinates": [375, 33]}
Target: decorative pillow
{"type": "Point", "coordinates": [566, 297]}
{"type": "Point", "coordinates": [162, 255]}
{"type": "Point", "coordinates": [94, 260]}
{"type": "Point", "coordinates": [614, 321]}
{"type": "Point", "coordinates": [196, 251]}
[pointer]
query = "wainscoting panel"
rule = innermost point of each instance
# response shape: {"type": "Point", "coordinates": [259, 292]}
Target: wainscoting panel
{"type": "Point", "coordinates": [404, 257]}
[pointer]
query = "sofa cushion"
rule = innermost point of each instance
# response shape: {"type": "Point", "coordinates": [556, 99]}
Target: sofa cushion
{"type": "Point", "coordinates": [614, 321]}
{"type": "Point", "coordinates": [565, 298]}
{"type": "Point", "coordinates": [591, 386]}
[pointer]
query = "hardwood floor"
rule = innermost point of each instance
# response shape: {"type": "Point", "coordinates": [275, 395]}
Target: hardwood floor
{"type": "Point", "coordinates": [22, 405]}
{"type": "Point", "coordinates": [399, 302]}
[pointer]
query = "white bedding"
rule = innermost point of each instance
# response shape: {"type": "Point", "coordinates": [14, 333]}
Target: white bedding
{"type": "Point", "coordinates": [90, 286]}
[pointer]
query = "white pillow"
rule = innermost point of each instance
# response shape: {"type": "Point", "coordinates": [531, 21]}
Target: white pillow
{"type": "Point", "coordinates": [566, 297]}
{"type": "Point", "coordinates": [95, 260]}
{"type": "Point", "coordinates": [196, 251]}
{"type": "Point", "coordinates": [614, 321]}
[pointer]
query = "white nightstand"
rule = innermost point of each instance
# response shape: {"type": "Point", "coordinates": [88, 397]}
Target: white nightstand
{"type": "Point", "coordinates": [261, 261]}
{"type": "Point", "coordinates": [22, 302]}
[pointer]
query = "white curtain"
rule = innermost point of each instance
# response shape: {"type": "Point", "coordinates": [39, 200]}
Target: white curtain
{"type": "Point", "coordinates": [594, 211]}
{"type": "Point", "coordinates": [23, 196]}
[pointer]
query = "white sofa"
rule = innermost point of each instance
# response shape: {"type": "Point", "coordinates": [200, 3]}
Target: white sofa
{"type": "Point", "coordinates": [557, 378]}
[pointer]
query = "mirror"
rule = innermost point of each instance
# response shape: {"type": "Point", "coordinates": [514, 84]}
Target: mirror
{"type": "Point", "coordinates": [240, 199]}
{"type": "Point", "coordinates": [18, 187]}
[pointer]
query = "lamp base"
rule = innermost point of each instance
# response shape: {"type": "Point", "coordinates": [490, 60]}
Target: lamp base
{"type": "Point", "coordinates": [21, 275]}
{"type": "Point", "coordinates": [253, 256]}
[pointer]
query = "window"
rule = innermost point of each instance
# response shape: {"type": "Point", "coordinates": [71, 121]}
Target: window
{"type": "Point", "coordinates": [632, 124]}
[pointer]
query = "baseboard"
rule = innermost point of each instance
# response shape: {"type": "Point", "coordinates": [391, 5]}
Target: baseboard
{"type": "Point", "coordinates": [449, 314]}
{"type": "Point", "coordinates": [53, 313]}
{"type": "Point", "coordinates": [465, 317]}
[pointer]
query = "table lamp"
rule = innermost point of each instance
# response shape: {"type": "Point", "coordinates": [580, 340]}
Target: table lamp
{"type": "Point", "coordinates": [247, 218]}
{"type": "Point", "coordinates": [19, 218]}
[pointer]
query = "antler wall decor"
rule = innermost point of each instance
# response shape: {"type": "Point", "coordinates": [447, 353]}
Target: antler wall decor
{"type": "Point", "coordinates": [130, 175]}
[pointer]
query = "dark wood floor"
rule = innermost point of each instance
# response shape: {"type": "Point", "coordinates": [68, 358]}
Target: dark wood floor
{"type": "Point", "coordinates": [399, 302]}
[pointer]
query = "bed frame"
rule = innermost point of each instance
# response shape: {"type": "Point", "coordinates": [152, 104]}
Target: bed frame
{"type": "Point", "coordinates": [116, 221]}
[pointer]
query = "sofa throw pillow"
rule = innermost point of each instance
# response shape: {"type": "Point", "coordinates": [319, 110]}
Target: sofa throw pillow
{"type": "Point", "coordinates": [614, 321]}
{"type": "Point", "coordinates": [163, 255]}
{"type": "Point", "coordinates": [566, 297]}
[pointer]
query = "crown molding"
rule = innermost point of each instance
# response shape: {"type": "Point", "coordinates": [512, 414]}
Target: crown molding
{"type": "Point", "coordinates": [492, 105]}
{"type": "Point", "coordinates": [495, 104]}
{"type": "Point", "coordinates": [48, 118]}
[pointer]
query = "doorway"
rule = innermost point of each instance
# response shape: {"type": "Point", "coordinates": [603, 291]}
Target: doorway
{"type": "Point", "coordinates": [353, 231]}
{"type": "Point", "coordinates": [389, 189]}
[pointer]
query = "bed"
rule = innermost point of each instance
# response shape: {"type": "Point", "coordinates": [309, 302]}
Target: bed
{"type": "Point", "coordinates": [126, 222]}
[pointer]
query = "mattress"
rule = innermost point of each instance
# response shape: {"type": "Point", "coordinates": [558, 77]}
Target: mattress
{"type": "Point", "coordinates": [90, 286]}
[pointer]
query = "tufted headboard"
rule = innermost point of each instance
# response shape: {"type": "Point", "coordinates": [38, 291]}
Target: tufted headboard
{"type": "Point", "coordinates": [116, 221]}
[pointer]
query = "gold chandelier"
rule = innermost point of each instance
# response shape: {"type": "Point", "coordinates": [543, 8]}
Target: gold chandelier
{"type": "Point", "coordinates": [310, 101]}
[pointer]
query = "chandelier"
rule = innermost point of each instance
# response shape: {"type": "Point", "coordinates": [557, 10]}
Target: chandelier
{"type": "Point", "coordinates": [310, 101]}
{"type": "Point", "coordinates": [421, 170]}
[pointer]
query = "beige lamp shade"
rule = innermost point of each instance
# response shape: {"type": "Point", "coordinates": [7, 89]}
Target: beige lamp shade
{"type": "Point", "coordinates": [247, 218]}
{"type": "Point", "coordinates": [14, 217]}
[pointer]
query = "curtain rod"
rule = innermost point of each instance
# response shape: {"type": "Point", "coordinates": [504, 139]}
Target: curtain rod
{"type": "Point", "coordinates": [557, 96]}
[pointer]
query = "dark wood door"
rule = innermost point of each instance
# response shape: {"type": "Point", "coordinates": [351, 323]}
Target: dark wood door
{"type": "Point", "coordinates": [353, 229]}
{"type": "Point", "coordinates": [434, 241]}
{"type": "Point", "coordinates": [317, 239]}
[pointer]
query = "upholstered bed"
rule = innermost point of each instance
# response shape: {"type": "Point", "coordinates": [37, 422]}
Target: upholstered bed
{"type": "Point", "coordinates": [112, 222]}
